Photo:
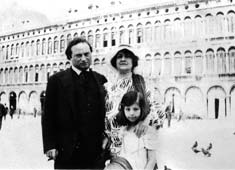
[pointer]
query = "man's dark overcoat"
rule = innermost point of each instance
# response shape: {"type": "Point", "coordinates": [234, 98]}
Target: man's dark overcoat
{"type": "Point", "coordinates": [60, 114]}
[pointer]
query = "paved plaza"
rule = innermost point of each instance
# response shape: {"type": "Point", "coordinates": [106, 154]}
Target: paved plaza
{"type": "Point", "coordinates": [21, 144]}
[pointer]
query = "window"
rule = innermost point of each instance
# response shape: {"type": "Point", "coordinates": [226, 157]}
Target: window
{"type": "Point", "coordinates": [177, 63]}
{"type": "Point", "coordinates": [221, 61]}
{"type": "Point", "coordinates": [210, 57]}
{"type": "Point", "coordinates": [36, 74]}
{"type": "Point", "coordinates": [62, 43]}
{"type": "Point", "coordinates": [105, 38]}
{"type": "Point", "coordinates": [188, 63]}
{"type": "Point", "coordinates": [49, 48]}
{"type": "Point", "coordinates": [32, 48]}
{"type": "Point", "coordinates": [121, 35]}
{"type": "Point", "coordinates": [22, 50]}
{"type": "Point", "coordinates": [198, 63]}
{"type": "Point", "coordinates": [43, 46]}
{"type": "Point", "coordinates": [56, 44]}
{"type": "Point", "coordinates": [113, 36]}
{"type": "Point", "coordinates": [17, 50]}
{"type": "Point", "coordinates": [232, 60]}
{"type": "Point", "coordinates": [97, 39]}
{"type": "Point", "coordinates": [139, 33]}
{"type": "Point", "coordinates": [38, 47]}
{"type": "Point", "coordinates": [130, 34]}
{"type": "Point", "coordinates": [69, 38]}
{"type": "Point", "coordinates": [90, 37]}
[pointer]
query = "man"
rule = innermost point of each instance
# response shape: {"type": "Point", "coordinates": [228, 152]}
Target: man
{"type": "Point", "coordinates": [2, 113]}
{"type": "Point", "coordinates": [74, 112]}
{"type": "Point", "coordinates": [168, 111]}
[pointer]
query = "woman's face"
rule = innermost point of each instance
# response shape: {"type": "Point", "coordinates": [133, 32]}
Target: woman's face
{"type": "Point", "coordinates": [132, 112]}
{"type": "Point", "coordinates": [124, 62]}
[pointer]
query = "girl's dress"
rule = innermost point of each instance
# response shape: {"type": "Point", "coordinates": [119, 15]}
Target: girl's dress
{"type": "Point", "coordinates": [134, 148]}
{"type": "Point", "coordinates": [115, 93]}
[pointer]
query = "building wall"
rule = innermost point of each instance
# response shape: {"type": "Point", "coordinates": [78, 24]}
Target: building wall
{"type": "Point", "coordinates": [188, 49]}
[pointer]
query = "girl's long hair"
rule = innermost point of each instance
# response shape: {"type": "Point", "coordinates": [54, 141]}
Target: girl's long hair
{"type": "Point", "coordinates": [129, 99]}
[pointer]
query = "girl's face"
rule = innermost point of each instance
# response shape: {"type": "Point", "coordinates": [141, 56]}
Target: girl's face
{"type": "Point", "coordinates": [132, 112]}
{"type": "Point", "coordinates": [124, 62]}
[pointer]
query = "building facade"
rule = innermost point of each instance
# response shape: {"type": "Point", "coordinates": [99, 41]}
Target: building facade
{"type": "Point", "coordinates": [186, 50]}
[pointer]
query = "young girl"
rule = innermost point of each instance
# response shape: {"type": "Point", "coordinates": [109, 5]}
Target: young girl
{"type": "Point", "coordinates": [138, 151]}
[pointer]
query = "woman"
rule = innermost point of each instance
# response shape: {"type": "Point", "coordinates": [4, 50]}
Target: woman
{"type": "Point", "coordinates": [124, 61]}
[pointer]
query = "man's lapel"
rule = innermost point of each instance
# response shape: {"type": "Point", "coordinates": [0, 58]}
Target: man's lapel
{"type": "Point", "coordinates": [69, 90]}
{"type": "Point", "coordinates": [100, 87]}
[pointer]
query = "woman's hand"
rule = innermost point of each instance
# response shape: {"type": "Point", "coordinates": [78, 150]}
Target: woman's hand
{"type": "Point", "coordinates": [140, 129]}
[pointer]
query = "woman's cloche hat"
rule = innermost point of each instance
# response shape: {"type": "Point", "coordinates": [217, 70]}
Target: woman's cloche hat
{"type": "Point", "coordinates": [122, 47]}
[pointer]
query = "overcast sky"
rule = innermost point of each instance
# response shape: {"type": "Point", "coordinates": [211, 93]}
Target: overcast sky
{"type": "Point", "coordinates": [56, 8]}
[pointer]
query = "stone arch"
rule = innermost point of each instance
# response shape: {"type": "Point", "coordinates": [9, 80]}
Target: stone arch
{"type": "Point", "coordinates": [3, 98]}
{"type": "Point", "coordinates": [194, 102]}
{"type": "Point", "coordinates": [232, 101]}
{"type": "Point", "coordinates": [23, 101]}
{"type": "Point", "coordinates": [42, 99]}
{"type": "Point", "coordinates": [34, 102]}
{"type": "Point", "coordinates": [216, 102]}
{"type": "Point", "coordinates": [12, 100]}
{"type": "Point", "coordinates": [173, 94]}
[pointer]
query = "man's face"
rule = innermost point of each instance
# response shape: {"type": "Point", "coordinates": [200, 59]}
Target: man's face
{"type": "Point", "coordinates": [81, 56]}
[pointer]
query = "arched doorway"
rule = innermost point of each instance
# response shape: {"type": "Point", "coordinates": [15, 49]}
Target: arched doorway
{"type": "Point", "coordinates": [42, 99]}
{"type": "Point", "coordinates": [232, 102]}
{"type": "Point", "coordinates": [34, 104]}
{"type": "Point", "coordinates": [216, 102]}
{"type": "Point", "coordinates": [23, 102]}
{"type": "Point", "coordinates": [173, 95]}
{"type": "Point", "coordinates": [12, 101]}
{"type": "Point", "coordinates": [3, 98]}
{"type": "Point", "coordinates": [194, 102]}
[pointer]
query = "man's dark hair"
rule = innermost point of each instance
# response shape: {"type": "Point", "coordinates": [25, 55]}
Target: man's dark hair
{"type": "Point", "coordinates": [75, 41]}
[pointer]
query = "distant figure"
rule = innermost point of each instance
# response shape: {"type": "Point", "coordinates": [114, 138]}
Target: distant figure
{"type": "Point", "coordinates": [11, 111]}
{"type": "Point", "coordinates": [34, 112]}
{"type": "Point", "coordinates": [6, 111]}
{"type": "Point", "coordinates": [181, 114]}
{"type": "Point", "coordinates": [168, 111]}
{"type": "Point", "coordinates": [2, 113]}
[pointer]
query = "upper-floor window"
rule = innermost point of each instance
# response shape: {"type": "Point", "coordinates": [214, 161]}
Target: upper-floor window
{"type": "Point", "coordinates": [38, 47]}
{"type": "Point", "coordinates": [43, 46]}
{"type": "Point", "coordinates": [90, 37]}
{"type": "Point", "coordinates": [83, 34]}
{"type": "Point", "coordinates": [97, 39]}
{"type": "Point", "coordinates": [188, 62]}
{"type": "Point", "coordinates": [49, 48]}
{"type": "Point", "coordinates": [105, 37]}
{"type": "Point", "coordinates": [69, 38]}
{"type": "Point", "coordinates": [113, 36]}
{"type": "Point", "coordinates": [62, 43]}
{"type": "Point", "coordinates": [130, 34]}
{"type": "Point", "coordinates": [139, 33]}
{"type": "Point", "coordinates": [121, 35]}
{"type": "Point", "coordinates": [56, 44]}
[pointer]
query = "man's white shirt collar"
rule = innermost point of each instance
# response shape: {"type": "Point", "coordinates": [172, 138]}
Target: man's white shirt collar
{"type": "Point", "coordinates": [76, 70]}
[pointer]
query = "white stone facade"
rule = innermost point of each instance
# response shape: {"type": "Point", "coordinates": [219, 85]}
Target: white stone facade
{"type": "Point", "coordinates": [186, 50]}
